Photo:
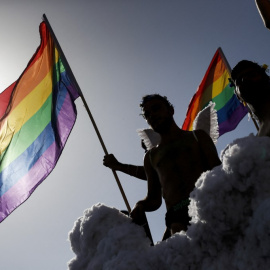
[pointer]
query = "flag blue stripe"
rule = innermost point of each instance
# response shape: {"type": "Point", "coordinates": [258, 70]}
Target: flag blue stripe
{"type": "Point", "coordinates": [20, 166]}
{"type": "Point", "coordinates": [225, 112]}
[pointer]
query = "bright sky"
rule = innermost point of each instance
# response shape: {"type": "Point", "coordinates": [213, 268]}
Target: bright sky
{"type": "Point", "coordinates": [119, 51]}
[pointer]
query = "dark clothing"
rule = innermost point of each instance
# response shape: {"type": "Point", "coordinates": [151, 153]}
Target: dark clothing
{"type": "Point", "coordinates": [178, 214]}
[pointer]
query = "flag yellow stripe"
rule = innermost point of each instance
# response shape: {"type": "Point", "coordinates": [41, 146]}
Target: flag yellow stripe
{"type": "Point", "coordinates": [220, 84]}
{"type": "Point", "coordinates": [214, 89]}
{"type": "Point", "coordinates": [25, 110]}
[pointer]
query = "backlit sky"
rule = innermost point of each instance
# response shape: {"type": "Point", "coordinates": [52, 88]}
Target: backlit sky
{"type": "Point", "coordinates": [119, 50]}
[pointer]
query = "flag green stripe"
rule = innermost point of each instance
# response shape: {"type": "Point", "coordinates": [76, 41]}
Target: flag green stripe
{"type": "Point", "coordinates": [27, 134]}
{"type": "Point", "coordinates": [58, 69]}
{"type": "Point", "coordinates": [222, 99]}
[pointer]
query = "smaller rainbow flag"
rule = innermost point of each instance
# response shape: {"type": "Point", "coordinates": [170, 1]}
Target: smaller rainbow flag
{"type": "Point", "coordinates": [37, 114]}
{"type": "Point", "coordinates": [215, 87]}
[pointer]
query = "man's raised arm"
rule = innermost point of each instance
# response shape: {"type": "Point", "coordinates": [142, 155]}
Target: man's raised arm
{"type": "Point", "coordinates": [111, 162]}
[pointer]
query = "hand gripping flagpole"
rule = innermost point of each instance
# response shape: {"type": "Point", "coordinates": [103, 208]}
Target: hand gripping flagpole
{"type": "Point", "coordinates": [64, 60]}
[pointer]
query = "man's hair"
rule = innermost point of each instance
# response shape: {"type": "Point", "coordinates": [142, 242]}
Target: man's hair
{"type": "Point", "coordinates": [245, 64]}
{"type": "Point", "coordinates": [147, 98]}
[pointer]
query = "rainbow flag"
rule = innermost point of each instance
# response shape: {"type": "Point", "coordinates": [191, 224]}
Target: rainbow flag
{"type": "Point", "coordinates": [37, 114]}
{"type": "Point", "coordinates": [215, 87]}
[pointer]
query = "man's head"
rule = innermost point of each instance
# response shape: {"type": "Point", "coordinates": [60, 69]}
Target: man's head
{"type": "Point", "coordinates": [250, 81]}
{"type": "Point", "coordinates": [157, 111]}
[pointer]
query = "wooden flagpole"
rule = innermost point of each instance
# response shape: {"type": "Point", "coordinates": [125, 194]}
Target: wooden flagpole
{"type": "Point", "coordinates": [63, 58]}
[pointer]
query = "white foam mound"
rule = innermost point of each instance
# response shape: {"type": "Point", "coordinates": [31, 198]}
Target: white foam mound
{"type": "Point", "coordinates": [230, 225]}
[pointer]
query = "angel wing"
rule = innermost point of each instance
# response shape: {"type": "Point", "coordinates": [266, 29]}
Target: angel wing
{"type": "Point", "coordinates": [207, 120]}
{"type": "Point", "coordinates": [149, 137]}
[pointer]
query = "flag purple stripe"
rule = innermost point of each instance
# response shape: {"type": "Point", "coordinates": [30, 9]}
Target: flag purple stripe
{"type": "Point", "coordinates": [66, 118]}
{"type": "Point", "coordinates": [18, 193]}
{"type": "Point", "coordinates": [233, 121]}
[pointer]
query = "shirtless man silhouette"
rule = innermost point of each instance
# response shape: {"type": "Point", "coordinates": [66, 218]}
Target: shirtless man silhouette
{"type": "Point", "coordinates": [173, 166]}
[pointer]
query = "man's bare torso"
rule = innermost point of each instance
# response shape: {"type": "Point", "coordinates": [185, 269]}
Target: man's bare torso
{"type": "Point", "coordinates": [178, 165]}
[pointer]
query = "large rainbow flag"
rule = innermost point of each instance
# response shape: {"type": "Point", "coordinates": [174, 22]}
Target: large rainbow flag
{"type": "Point", "coordinates": [37, 115]}
{"type": "Point", "coordinates": [215, 87]}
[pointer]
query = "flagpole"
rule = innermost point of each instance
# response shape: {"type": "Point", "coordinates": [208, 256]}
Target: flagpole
{"type": "Point", "coordinates": [230, 70]}
{"type": "Point", "coordinates": [63, 58]}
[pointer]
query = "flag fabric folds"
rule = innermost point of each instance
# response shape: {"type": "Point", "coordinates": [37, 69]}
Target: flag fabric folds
{"type": "Point", "coordinates": [215, 87]}
{"type": "Point", "coordinates": [37, 114]}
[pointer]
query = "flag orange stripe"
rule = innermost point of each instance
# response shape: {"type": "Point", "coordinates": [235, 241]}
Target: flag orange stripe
{"type": "Point", "coordinates": [40, 68]}
{"type": "Point", "coordinates": [215, 73]}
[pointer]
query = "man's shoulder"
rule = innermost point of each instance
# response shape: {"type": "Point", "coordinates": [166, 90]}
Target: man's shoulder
{"type": "Point", "coordinates": [201, 134]}
{"type": "Point", "coordinates": [197, 135]}
{"type": "Point", "coordinates": [150, 152]}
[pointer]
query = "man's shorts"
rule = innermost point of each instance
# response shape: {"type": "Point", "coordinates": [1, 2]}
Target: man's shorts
{"type": "Point", "coordinates": [178, 214]}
